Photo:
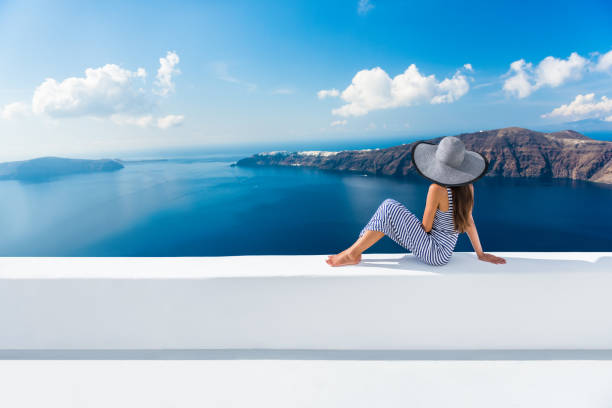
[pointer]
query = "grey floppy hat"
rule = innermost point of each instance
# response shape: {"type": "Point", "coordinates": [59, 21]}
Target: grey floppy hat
{"type": "Point", "coordinates": [448, 163]}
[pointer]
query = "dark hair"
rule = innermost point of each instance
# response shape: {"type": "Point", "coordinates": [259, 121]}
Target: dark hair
{"type": "Point", "coordinates": [463, 201]}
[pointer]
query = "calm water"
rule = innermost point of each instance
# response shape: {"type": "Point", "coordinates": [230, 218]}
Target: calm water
{"type": "Point", "coordinates": [205, 207]}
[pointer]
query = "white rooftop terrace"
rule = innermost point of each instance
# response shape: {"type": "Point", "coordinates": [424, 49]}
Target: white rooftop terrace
{"type": "Point", "coordinates": [305, 384]}
{"type": "Point", "coordinates": [291, 331]}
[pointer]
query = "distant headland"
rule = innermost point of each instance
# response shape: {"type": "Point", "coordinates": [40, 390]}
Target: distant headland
{"type": "Point", "coordinates": [49, 167]}
{"type": "Point", "coordinates": [512, 152]}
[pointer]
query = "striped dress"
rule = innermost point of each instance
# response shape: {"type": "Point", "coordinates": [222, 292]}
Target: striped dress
{"type": "Point", "coordinates": [398, 223]}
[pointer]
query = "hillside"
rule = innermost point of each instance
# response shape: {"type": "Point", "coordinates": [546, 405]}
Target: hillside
{"type": "Point", "coordinates": [512, 152]}
{"type": "Point", "coordinates": [49, 167]}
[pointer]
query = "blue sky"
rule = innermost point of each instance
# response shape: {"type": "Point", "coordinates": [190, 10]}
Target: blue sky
{"type": "Point", "coordinates": [244, 72]}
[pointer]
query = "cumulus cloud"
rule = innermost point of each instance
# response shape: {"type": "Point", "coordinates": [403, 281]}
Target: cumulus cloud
{"type": "Point", "coordinates": [328, 93]}
{"type": "Point", "coordinates": [553, 71]}
{"type": "Point", "coordinates": [468, 67]}
{"type": "Point", "coordinates": [15, 109]}
{"type": "Point", "coordinates": [584, 107]}
{"type": "Point", "coordinates": [518, 84]}
{"type": "Point", "coordinates": [101, 92]}
{"type": "Point", "coordinates": [364, 6]}
{"type": "Point", "coordinates": [451, 89]}
{"type": "Point", "coordinates": [167, 69]}
{"type": "Point", "coordinates": [604, 63]}
{"type": "Point", "coordinates": [110, 92]}
{"type": "Point", "coordinates": [373, 89]}
{"type": "Point", "coordinates": [342, 122]}
{"type": "Point", "coordinates": [170, 121]}
{"type": "Point", "coordinates": [524, 78]}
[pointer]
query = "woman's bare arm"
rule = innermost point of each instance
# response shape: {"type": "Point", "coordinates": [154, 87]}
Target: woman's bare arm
{"type": "Point", "coordinates": [430, 208]}
{"type": "Point", "coordinates": [475, 240]}
{"type": "Point", "coordinates": [473, 235]}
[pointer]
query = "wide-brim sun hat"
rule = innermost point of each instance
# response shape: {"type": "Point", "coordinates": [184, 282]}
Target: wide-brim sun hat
{"type": "Point", "coordinates": [448, 163]}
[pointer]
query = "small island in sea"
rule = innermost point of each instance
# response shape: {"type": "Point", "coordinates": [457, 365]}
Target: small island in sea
{"type": "Point", "coordinates": [512, 152]}
{"type": "Point", "coordinates": [49, 167]}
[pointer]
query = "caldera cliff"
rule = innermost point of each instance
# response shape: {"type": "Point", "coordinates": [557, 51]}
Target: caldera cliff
{"type": "Point", "coordinates": [512, 152]}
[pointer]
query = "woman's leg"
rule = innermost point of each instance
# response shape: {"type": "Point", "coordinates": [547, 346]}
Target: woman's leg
{"type": "Point", "coordinates": [391, 219]}
{"type": "Point", "coordinates": [352, 255]}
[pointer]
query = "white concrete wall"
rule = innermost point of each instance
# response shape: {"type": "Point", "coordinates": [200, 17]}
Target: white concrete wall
{"type": "Point", "coordinates": [535, 301]}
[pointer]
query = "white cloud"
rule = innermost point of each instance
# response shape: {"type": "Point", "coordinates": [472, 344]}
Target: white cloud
{"type": "Point", "coordinates": [145, 121]}
{"type": "Point", "coordinates": [342, 122]}
{"type": "Point", "coordinates": [605, 62]}
{"type": "Point", "coordinates": [584, 107]}
{"type": "Point", "coordinates": [518, 84]}
{"type": "Point", "coordinates": [222, 72]}
{"type": "Point", "coordinates": [283, 91]}
{"type": "Point", "coordinates": [550, 72]}
{"type": "Point", "coordinates": [373, 89]}
{"type": "Point", "coordinates": [110, 92]}
{"type": "Point", "coordinates": [170, 121]}
{"type": "Point", "coordinates": [364, 6]}
{"type": "Point", "coordinates": [468, 67]}
{"type": "Point", "coordinates": [167, 68]}
{"type": "Point", "coordinates": [553, 71]}
{"type": "Point", "coordinates": [484, 84]}
{"type": "Point", "coordinates": [452, 89]}
{"type": "Point", "coordinates": [142, 121]}
{"type": "Point", "coordinates": [328, 93]}
{"type": "Point", "coordinates": [102, 92]}
{"type": "Point", "coordinates": [15, 109]}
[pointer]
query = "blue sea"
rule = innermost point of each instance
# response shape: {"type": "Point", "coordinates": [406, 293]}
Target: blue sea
{"type": "Point", "coordinates": [202, 206]}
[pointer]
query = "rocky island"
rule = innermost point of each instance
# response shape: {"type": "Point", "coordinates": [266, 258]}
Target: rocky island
{"type": "Point", "coordinates": [49, 167]}
{"type": "Point", "coordinates": [512, 152]}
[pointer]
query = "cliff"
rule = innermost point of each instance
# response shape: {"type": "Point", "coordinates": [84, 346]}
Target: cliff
{"type": "Point", "coordinates": [49, 167]}
{"type": "Point", "coordinates": [512, 152]}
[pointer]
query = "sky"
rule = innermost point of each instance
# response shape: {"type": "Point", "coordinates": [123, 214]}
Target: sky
{"type": "Point", "coordinates": [89, 78]}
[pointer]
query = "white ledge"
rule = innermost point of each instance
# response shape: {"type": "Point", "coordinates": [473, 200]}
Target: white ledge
{"type": "Point", "coordinates": [388, 302]}
{"type": "Point", "coordinates": [269, 266]}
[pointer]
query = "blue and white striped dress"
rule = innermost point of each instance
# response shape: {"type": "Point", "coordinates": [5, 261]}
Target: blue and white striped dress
{"type": "Point", "coordinates": [398, 223]}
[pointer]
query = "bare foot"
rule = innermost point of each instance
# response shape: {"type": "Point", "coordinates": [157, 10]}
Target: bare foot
{"type": "Point", "coordinates": [343, 258]}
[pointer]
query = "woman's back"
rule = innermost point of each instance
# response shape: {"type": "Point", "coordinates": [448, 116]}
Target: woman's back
{"type": "Point", "coordinates": [443, 220]}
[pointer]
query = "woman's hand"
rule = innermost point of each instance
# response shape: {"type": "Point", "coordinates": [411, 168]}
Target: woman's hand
{"type": "Point", "coordinates": [483, 256]}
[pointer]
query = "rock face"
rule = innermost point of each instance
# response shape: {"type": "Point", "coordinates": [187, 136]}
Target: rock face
{"type": "Point", "coordinates": [512, 152]}
{"type": "Point", "coordinates": [49, 167]}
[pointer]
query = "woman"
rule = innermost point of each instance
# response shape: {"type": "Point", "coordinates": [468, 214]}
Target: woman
{"type": "Point", "coordinates": [448, 209]}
